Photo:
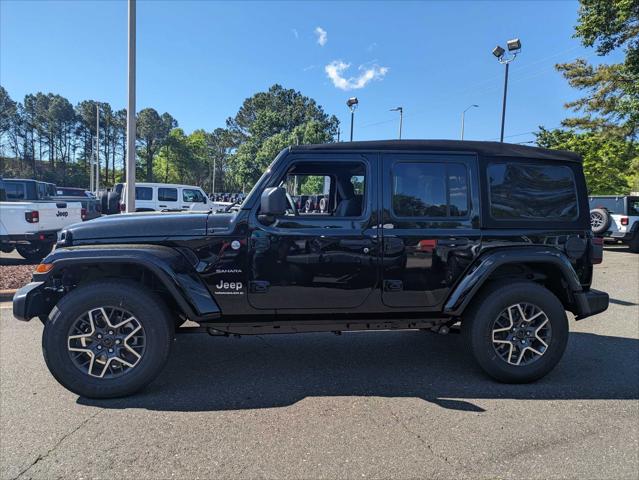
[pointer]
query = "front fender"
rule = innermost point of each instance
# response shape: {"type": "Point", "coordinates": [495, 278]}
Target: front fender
{"type": "Point", "coordinates": [168, 265]}
{"type": "Point", "coordinates": [486, 264]}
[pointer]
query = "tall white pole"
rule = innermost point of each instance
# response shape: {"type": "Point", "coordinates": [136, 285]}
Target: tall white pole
{"type": "Point", "coordinates": [130, 116]}
{"type": "Point", "coordinates": [97, 148]}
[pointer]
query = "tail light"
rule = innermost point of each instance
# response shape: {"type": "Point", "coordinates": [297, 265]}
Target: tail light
{"type": "Point", "coordinates": [32, 216]}
{"type": "Point", "coordinates": [596, 250]}
{"type": "Point", "coordinates": [83, 213]}
{"type": "Point", "coordinates": [624, 221]}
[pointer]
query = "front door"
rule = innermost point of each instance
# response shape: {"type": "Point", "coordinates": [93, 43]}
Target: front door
{"type": "Point", "coordinates": [323, 254]}
{"type": "Point", "coordinates": [430, 226]}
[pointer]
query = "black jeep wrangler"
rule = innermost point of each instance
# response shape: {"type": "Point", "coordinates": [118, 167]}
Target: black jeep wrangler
{"type": "Point", "coordinates": [396, 235]}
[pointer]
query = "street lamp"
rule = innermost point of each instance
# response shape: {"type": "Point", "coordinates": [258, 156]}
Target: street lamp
{"type": "Point", "coordinates": [401, 118]}
{"type": "Point", "coordinates": [352, 103]}
{"type": "Point", "coordinates": [514, 48]}
{"type": "Point", "coordinates": [464, 115]}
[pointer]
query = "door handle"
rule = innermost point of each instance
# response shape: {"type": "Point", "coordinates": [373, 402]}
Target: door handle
{"type": "Point", "coordinates": [453, 242]}
{"type": "Point", "coordinates": [162, 206]}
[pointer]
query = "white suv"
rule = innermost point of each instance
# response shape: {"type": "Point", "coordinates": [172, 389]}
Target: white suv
{"type": "Point", "coordinates": [165, 197]}
{"type": "Point", "coordinates": [616, 217]}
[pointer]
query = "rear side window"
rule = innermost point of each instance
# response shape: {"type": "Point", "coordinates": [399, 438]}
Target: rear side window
{"type": "Point", "coordinates": [430, 189]}
{"type": "Point", "coordinates": [15, 191]}
{"type": "Point", "coordinates": [633, 206]}
{"type": "Point", "coordinates": [167, 194]}
{"type": "Point", "coordinates": [143, 193]}
{"type": "Point", "coordinates": [532, 192]}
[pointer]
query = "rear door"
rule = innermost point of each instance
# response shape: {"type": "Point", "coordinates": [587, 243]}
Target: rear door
{"type": "Point", "coordinates": [168, 198]}
{"type": "Point", "coordinates": [430, 225]}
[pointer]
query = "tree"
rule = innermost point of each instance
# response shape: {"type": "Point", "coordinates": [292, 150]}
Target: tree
{"type": "Point", "coordinates": [610, 164]}
{"type": "Point", "coordinates": [611, 101]}
{"type": "Point", "coordinates": [263, 126]}
{"type": "Point", "coordinates": [152, 131]}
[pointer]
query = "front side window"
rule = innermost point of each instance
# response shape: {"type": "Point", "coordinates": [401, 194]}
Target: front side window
{"type": "Point", "coordinates": [192, 196]}
{"type": "Point", "coordinates": [143, 193]}
{"type": "Point", "coordinates": [167, 194]}
{"type": "Point", "coordinates": [428, 189]}
{"type": "Point", "coordinates": [327, 188]}
{"type": "Point", "coordinates": [531, 192]}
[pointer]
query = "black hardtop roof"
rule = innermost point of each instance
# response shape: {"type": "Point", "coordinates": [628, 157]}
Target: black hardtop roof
{"type": "Point", "coordinates": [491, 149]}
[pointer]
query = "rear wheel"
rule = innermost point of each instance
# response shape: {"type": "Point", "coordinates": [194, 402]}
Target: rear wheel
{"type": "Point", "coordinates": [634, 243]}
{"type": "Point", "coordinates": [517, 332]}
{"type": "Point", "coordinates": [34, 251]}
{"type": "Point", "coordinates": [109, 345]}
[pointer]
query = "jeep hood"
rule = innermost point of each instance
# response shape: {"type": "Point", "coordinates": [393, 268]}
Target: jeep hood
{"type": "Point", "coordinates": [149, 226]}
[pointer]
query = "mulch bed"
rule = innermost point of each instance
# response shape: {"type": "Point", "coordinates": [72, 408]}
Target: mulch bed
{"type": "Point", "coordinates": [15, 276]}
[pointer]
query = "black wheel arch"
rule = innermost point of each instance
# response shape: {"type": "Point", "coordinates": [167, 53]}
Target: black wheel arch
{"type": "Point", "coordinates": [546, 266]}
{"type": "Point", "coordinates": [163, 269]}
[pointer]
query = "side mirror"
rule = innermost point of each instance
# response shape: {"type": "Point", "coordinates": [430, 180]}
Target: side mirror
{"type": "Point", "coordinates": [273, 201]}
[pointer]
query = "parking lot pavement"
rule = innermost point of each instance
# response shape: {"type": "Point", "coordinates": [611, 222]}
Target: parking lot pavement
{"type": "Point", "coordinates": [396, 404]}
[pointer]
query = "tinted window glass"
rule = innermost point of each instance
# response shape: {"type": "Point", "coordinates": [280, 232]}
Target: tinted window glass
{"type": "Point", "coordinates": [143, 193]}
{"type": "Point", "coordinates": [430, 190]}
{"type": "Point", "coordinates": [15, 191]}
{"type": "Point", "coordinates": [190, 195]}
{"type": "Point", "coordinates": [167, 194]}
{"type": "Point", "coordinates": [633, 206]}
{"type": "Point", "coordinates": [531, 192]}
{"type": "Point", "coordinates": [70, 192]}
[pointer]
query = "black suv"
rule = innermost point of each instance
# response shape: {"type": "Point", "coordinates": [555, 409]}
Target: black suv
{"type": "Point", "coordinates": [397, 235]}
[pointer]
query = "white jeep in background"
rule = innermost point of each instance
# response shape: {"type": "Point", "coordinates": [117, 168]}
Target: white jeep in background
{"type": "Point", "coordinates": [616, 218]}
{"type": "Point", "coordinates": [31, 227]}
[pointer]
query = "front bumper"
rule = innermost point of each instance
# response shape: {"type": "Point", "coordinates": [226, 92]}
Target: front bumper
{"type": "Point", "coordinates": [591, 303]}
{"type": "Point", "coordinates": [32, 300]}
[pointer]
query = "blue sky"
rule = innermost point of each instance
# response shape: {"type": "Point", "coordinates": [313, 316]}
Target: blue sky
{"type": "Point", "coordinates": [198, 60]}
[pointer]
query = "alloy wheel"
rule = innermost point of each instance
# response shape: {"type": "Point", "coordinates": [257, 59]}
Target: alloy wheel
{"type": "Point", "coordinates": [106, 342]}
{"type": "Point", "coordinates": [521, 334]}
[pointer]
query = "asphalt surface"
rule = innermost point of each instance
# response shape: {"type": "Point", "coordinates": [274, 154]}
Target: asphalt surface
{"type": "Point", "coordinates": [396, 404]}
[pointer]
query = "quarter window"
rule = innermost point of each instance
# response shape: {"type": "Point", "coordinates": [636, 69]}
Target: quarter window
{"type": "Point", "coordinates": [167, 194]}
{"type": "Point", "coordinates": [15, 191]}
{"type": "Point", "coordinates": [531, 192]}
{"type": "Point", "coordinates": [425, 189]}
{"type": "Point", "coordinates": [143, 193]}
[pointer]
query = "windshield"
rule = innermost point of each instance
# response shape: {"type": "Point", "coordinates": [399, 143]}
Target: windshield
{"type": "Point", "coordinates": [257, 189]}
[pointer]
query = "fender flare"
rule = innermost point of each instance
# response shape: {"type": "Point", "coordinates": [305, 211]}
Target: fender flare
{"type": "Point", "coordinates": [168, 265]}
{"type": "Point", "coordinates": [487, 263]}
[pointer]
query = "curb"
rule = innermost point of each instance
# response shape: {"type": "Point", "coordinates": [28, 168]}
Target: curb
{"type": "Point", "coordinates": [7, 295]}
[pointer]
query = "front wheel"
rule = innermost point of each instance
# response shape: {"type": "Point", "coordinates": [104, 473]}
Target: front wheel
{"type": "Point", "coordinates": [107, 345]}
{"type": "Point", "coordinates": [517, 332]}
{"type": "Point", "coordinates": [34, 251]}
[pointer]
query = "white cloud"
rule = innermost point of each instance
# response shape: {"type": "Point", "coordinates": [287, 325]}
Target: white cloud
{"type": "Point", "coordinates": [322, 36]}
{"type": "Point", "coordinates": [295, 33]}
{"type": "Point", "coordinates": [336, 69]}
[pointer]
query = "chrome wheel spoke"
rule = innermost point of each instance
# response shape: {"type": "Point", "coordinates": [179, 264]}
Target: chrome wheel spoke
{"type": "Point", "coordinates": [521, 334]}
{"type": "Point", "coordinates": [106, 342]}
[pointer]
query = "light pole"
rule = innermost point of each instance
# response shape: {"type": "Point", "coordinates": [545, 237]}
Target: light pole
{"type": "Point", "coordinates": [464, 116]}
{"type": "Point", "coordinates": [352, 103]}
{"type": "Point", "coordinates": [130, 116]}
{"type": "Point", "coordinates": [97, 148]}
{"type": "Point", "coordinates": [401, 118]}
{"type": "Point", "coordinates": [514, 47]}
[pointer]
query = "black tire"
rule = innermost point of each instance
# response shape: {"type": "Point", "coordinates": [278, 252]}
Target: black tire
{"type": "Point", "coordinates": [104, 202]}
{"type": "Point", "coordinates": [634, 243]}
{"type": "Point", "coordinates": [599, 220]}
{"type": "Point", "coordinates": [146, 307]}
{"type": "Point", "coordinates": [6, 248]}
{"type": "Point", "coordinates": [34, 251]}
{"type": "Point", "coordinates": [113, 203]}
{"type": "Point", "coordinates": [478, 321]}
